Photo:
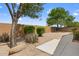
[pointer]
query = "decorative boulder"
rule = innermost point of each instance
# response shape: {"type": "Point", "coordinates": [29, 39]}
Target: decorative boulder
{"type": "Point", "coordinates": [17, 49]}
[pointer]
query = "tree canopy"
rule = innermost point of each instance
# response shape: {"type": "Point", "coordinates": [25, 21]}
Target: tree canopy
{"type": "Point", "coordinates": [69, 21]}
{"type": "Point", "coordinates": [25, 9]}
{"type": "Point", "coordinates": [59, 16]}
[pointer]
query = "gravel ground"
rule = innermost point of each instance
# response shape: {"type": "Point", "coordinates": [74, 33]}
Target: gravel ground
{"type": "Point", "coordinates": [4, 50]}
{"type": "Point", "coordinates": [31, 50]}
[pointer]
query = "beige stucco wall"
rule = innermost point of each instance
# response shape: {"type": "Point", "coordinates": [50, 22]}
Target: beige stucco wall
{"type": "Point", "coordinates": [47, 29]}
{"type": "Point", "coordinates": [4, 28]}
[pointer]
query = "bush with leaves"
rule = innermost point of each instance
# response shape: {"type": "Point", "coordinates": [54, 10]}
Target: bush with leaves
{"type": "Point", "coordinates": [40, 31]}
{"type": "Point", "coordinates": [4, 37]}
{"type": "Point", "coordinates": [29, 29]}
{"type": "Point", "coordinates": [30, 36]}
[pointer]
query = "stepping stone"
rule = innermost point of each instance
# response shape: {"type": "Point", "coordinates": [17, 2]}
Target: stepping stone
{"type": "Point", "coordinates": [49, 47]}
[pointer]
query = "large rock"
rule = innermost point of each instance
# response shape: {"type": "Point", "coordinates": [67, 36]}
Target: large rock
{"type": "Point", "coordinates": [17, 49]}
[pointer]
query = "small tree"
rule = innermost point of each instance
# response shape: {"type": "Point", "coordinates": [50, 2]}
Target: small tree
{"type": "Point", "coordinates": [19, 10]}
{"type": "Point", "coordinates": [40, 31]}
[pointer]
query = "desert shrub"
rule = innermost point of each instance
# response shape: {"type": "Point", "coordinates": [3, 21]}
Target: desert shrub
{"type": "Point", "coordinates": [40, 31]}
{"type": "Point", "coordinates": [31, 38]}
{"type": "Point", "coordinates": [29, 29]}
{"type": "Point", "coordinates": [74, 29]}
{"type": "Point", "coordinates": [4, 37]}
{"type": "Point", "coordinates": [76, 35]}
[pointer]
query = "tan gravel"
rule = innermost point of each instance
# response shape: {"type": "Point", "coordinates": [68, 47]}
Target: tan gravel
{"type": "Point", "coordinates": [31, 50]}
{"type": "Point", "coordinates": [4, 50]}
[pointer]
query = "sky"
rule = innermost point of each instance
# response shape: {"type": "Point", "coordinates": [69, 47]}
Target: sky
{"type": "Point", "coordinates": [73, 9]}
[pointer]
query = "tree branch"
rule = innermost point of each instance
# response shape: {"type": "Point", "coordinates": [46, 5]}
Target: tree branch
{"type": "Point", "coordinates": [9, 10]}
{"type": "Point", "coordinates": [12, 4]}
{"type": "Point", "coordinates": [19, 10]}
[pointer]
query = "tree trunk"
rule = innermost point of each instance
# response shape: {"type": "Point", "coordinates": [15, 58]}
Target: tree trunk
{"type": "Point", "coordinates": [57, 27]}
{"type": "Point", "coordinates": [13, 34]}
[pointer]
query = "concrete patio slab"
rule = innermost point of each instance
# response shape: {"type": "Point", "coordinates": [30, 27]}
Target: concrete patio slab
{"type": "Point", "coordinates": [49, 47]}
{"type": "Point", "coordinates": [66, 47]}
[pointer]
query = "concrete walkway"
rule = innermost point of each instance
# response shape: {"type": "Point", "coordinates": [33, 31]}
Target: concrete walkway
{"type": "Point", "coordinates": [66, 47]}
{"type": "Point", "coordinates": [50, 46]}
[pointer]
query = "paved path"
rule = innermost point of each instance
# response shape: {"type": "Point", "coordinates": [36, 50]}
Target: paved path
{"type": "Point", "coordinates": [49, 47]}
{"type": "Point", "coordinates": [66, 47]}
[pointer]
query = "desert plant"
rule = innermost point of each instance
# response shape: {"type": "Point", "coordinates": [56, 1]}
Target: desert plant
{"type": "Point", "coordinates": [4, 37]}
{"type": "Point", "coordinates": [76, 35]}
{"type": "Point", "coordinates": [29, 29]}
{"type": "Point", "coordinates": [74, 29]}
{"type": "Point", "coordinates": [40, 31]}
{"type": "Point", "coordinates": [30, 36]}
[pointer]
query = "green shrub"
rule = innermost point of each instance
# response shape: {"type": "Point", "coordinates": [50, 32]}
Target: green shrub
{"type": "Point", "coordinates": [40, 31]}
{"type": "Point", "coordinates": [29, 29]}
{"type": "Point", "coordinates": [76, 35]}
{"type": "Point", "coordinates": [4, 37]}
{"type": "Point", "coordinates": [30, 36]}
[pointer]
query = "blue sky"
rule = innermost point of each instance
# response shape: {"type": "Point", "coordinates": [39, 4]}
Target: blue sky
{"type": "Point", "coordinates": [73, 8]}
